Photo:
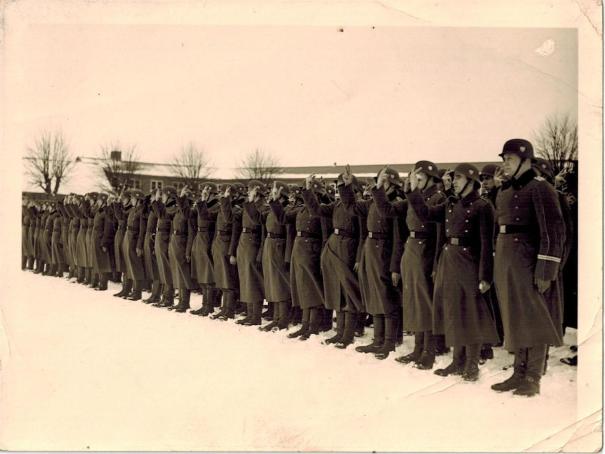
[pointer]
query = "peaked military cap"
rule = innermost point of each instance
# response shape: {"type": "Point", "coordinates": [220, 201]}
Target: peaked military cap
{"type": "Point", "coordinates": [521, 147]}
{"type": "Point", "coordinates": [427, 167]}
{"type": "Point", "coordinates": [468, 170]}
{"type": "Point", "coordinates": [489, 170]}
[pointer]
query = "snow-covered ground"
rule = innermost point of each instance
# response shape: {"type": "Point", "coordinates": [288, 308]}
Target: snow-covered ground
{"type": "Point", "coordinates": [84, 370]}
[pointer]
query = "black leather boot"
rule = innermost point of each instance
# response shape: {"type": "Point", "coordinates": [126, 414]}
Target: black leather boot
{"type": "Point", "coordinates": [514, 381]}
{"type": "Point", "coordinates": [155, 293]}
{"type": "Point", "coordinates": [315, 318]}
{"type": "Point", "coordinates": [360, 324]}
{"type": "Point", "coordinates": [246, 319]}
{"type": "Point", "coordinates": [340, 327]}
{"type": "Point", "coordinates": [427, 358]}
{"type": "Point", "coordinates": [348, 333]}
{"type": "Point", "coordinates": [530, 384]}
{"type": "Point", "coordinates": [415, 354]}
{"type": "Point", "coordinates": [486, 353]}
{"type": "Point", "coordinates": [268, 314]}
{"type": "Point", "coordinates": [256, 318]}
{"type": "Point", "coordinates": [128, 288]}
{"type": "Point", "coordinates": [378, 340]}
{"type": "Point", "coordinates": [471, 367]}
{"type": "Point", "coordinates": [456, 367]}
{"type": "Point", "coordinates": [304, 327]}
{"type": "Point", "coordinates": [184, 297]}
{"type": "Point", "coordinates": [284, 315]}
{"type": "Point", "coordinates": [136, 293]}
{"type": "Point", "coordinates": [103, 278]}
{"type": "Point", "coordinates": [390, 338]}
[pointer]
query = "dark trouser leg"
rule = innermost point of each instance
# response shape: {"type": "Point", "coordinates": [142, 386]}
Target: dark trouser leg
{"type": "Point", "coordinates": [378, 336]}
{"type": "Point", "coordinates": [23, 262]}
{"type": "Point", "coordinates": [471, 367]}
{"type": "Point", "coordinates": [295, 315]}
{"type": "Point", "coordinates": [520, 367]}
{"type": "Point", "coordinates": [415, 354]}
{"type": "Point", "coordinates": [530, 385]}
{"type": "Point", "coordinates": [222, 313]}
{"type": "Point", "coordinates": [340, 327]}
{"type": "Point", "coordinates": [248, 316]}
{"type": "Point", "coordinates": [456, 367]}
{"type": "Point", "coordinates": [94, 278]}
{"type": "Point", "coordinates": [427, 358]}
{"type": "Point", "coordinates": [122, 292]}
{"type": "Point", "coordinates": [390, 337]}
{"type": "Point", "coordinates": [305, 325]}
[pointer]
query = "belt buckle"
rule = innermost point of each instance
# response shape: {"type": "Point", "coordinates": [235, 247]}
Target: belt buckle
{"type": "Point", "coordinates": [371, 234]}
{"type": "Point", "coordinates": [503, 229]}
{"type": "Point", "coordinates": [337, 231]}
{"type": "Point", "coordinates": [455, 241]}
{"type": "Point", "coordinates": [298, 233]}
{"type": "Point", "coordinates": [174, 232]}
{"type": "Point", "coordinates": [413, 234]}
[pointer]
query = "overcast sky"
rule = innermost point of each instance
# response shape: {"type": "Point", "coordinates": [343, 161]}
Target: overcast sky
{"type": "Point", "coordinates": [308, 95]}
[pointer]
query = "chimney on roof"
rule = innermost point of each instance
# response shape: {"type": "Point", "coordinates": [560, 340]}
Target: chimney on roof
{"type": "Point", "coordinates": [116, 155]}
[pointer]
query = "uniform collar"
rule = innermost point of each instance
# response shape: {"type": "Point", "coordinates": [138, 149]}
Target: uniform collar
{"type": "Point", "coordinates": [523, 180]}
{"type": "Point", "coordinates": [469, 198]}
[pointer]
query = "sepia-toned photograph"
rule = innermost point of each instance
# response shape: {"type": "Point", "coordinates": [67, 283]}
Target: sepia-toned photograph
{"type": "Point", "coordinates": [283, 227]}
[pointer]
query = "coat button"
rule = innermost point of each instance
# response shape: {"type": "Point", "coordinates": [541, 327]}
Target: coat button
{"type": "Point", "coordinates": [516, 208]}
{"type": "Point", "coordinates": [516, 240]}
{"type": "Point", "coordinates": [445, 248]}
{"type": "Point", "coordinates": [517, 219]}
{"type": "Point", "coordinates": [419, 242]}
{"type": "Point", "coordinates": [468, 211]}
{"type": "Point", "coordinates": [422, 226]}
{"type": "Point", "coordinates": [466, 231]}
{"type": "Point", "coordinates": [447, 230]}
{"type": "Point", "coordinates": [466, 220]}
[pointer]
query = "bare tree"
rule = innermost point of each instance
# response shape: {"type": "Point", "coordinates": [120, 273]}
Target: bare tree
{"type": "Point", "coordinates": [49, 162]}
{"type": "Point", "coordinates": [557, 141]}
{"type": "Point", "coordinates": [191, 165]}
{"type": "Point", "coordinates": [118, 166]}
{"type": "Point", "coordinates": [260, 165]}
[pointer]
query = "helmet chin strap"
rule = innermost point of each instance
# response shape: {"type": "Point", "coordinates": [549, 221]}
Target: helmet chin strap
{"type": "Point", "coordinates": [464, 187]}
{"type": "Point", "coordinates": [514, 175]}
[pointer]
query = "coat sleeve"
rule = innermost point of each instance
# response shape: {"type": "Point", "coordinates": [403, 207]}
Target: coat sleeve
{"type": "Point", "coordinates": [190, 236]}
{"type": "Point", "coordinates": [315, 208]}
{"type": "Point", "coordinates": [290, 237]}
{"type": "Point", "coordinates": [569, 228]}
{"type": "Point", "coordinates": [108, 233]}
{"type": "Point", "coordinates": [398, 241]}
{"type": "Point", "coordinates": [425, 213]}
{"type": "Point", "coordinates": [358, 207]}
{"type": "Point", "coordinates": [236, 231]}
{"type": "Point", "coordinates": [486, 232]}
{"type": "Point", "coordinates": [142, 228]}
{"type": "Point", "coordinates": [385, 207]}
{"type": "Point", "coordinates": [552, 231]}
{"type": "Point", "coordinates": [363, 233]}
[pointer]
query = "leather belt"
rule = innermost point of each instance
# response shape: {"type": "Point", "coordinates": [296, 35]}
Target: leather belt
{"type": "Point", "coordinates": [249, 230]}
{"type": "Point", "coordinates": [513, 228]}
{"type": "Point", "coordinates": [224, 232]}
{"type": "Point", "coordinates": [131, 229]}
{"type": "Point", "coordinates": [177, 233]}
{"type": "Point", "coordinates": [378, 235]}
{"type": "Point", "coordinates": [459, 241]}
{"type": "Point", "coordinates": [420, 235]}
{"type": "Point", "coordinates": [345, 233]}
{"type": "Point", "coordinates": [162, 231]}
{"type": "Point", "coordinates": [203, 229]}
{"type": "Point", "coordinates": [307, 235]}
{"type": "Point", "coordinates": [276, 235]}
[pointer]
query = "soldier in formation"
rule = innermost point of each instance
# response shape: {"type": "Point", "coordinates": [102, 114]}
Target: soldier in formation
{"type": "Point", "coordinates": [468, 258]}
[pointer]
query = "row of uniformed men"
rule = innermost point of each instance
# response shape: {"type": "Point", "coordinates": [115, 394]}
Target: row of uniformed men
{"type": "Point", "coordinates": [418, 243]}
